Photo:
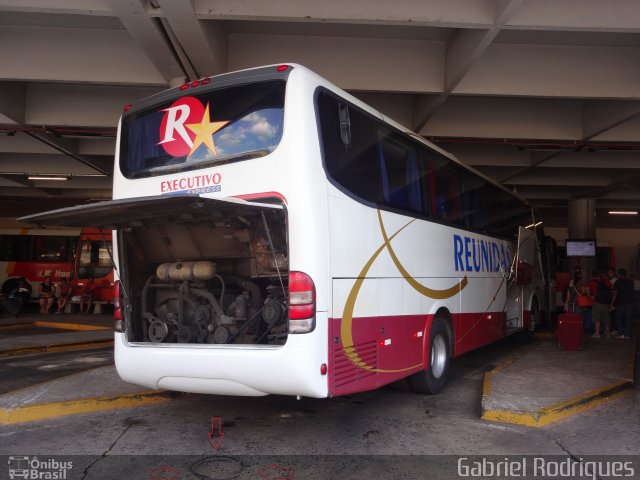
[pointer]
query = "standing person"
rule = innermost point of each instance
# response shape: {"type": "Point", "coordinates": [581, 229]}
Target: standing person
{"type": "Point", "coordinates": [573, 290]}
{"type": "Point", "coordinates": [65, 294]}
{"type": "Point", "coordinates": [601, 306]}
{"type": "Point", "coordinates": [577, 274]}
{"type": "Point", "coordinates": [86, 297]}
{"type": "Point", "coordinates": [611, 275]}
{"type": "Point", "coordinates": [636, 287]}
{"type": "Point", "coordinates": [21, 293]}
{"type": "Point", "coordinates": [623, 299]}
{"type": "Point", "coordinates": [47, 295]}
{"type": "Point", "coordinates": [585, 306]}
{"type": "Point", "coordinates": [593, 283]}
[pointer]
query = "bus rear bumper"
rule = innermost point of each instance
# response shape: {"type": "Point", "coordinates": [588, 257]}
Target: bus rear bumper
{"type": "Point", "coordinates": [242, 370]}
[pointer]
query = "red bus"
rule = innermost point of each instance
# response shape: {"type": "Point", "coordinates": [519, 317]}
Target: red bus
{"type": "Point", "coordinates": [74, 254]}
{"type": "Point", "coordinates": [94, 259]}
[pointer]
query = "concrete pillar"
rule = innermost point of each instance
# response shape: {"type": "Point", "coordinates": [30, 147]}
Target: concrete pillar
{"type": "Point", "coordinates": [582, 224]}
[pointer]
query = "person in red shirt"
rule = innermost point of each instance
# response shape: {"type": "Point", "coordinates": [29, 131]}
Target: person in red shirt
{"type": "Point", "coordinates": [87, 295]}
{"type": "Point", "coordinates": [595, 279]}
{"type": "Point", "coordinates": [65, 294]}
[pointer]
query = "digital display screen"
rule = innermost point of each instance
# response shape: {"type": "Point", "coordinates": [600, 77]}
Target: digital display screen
{"type": "Point", "coordinates": [581, 248]}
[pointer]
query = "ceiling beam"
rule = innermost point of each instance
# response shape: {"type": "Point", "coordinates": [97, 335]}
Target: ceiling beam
{"type": "Point", "coordinates": [601, 116]}
{"type": "Point", "coordinates": [68, 147]}
{"type": "Point", "coordinates": [86, 7]}
{"type": "Point", "coordinates": [14, 110]}
{"type": "Point", "coordinates": [452, 13]}
{"type": "Point", "coordinates": [22, 180]}
{"type": "Point", "coordinates": [145, 31]}
{"type": "Point", "coordinates": [13, 100]}
{"type": "Point", "coordinates": [598, 118]}
{"type": "Point", "coordinates": [463, 51]}
{"type": "Point", "coordinates": [203, 44]}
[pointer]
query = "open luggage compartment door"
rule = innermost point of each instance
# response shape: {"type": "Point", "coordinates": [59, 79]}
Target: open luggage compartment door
{"type": "Point", "coordinates": [195, 270]}
{"type": "Point", "coordinates": [115, 214]}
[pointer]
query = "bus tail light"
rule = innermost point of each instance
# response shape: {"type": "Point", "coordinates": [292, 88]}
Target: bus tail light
{"type": "Point", "coordinates": [302, 303]}
{"type": "Point", "coordinates": [117, 306]}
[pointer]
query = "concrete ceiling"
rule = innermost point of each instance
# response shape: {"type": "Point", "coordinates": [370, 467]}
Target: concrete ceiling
{"type": "Point", "coordinates": [542, 95]}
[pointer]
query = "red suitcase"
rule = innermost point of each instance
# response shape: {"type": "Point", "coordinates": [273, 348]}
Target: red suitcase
{"type": "Point", "coordinates": [570, 331]}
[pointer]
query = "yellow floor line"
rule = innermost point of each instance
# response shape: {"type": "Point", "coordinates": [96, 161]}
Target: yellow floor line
{"type": "Point", "coordinates": [51, 381]}
{"type": "Point", "coordinates": [14, 352]}
{"type": "Point", "coordinates": [44, 411]}
{"type": "Point", "coordinates": [17, 326]}
{"type": "Point", "coordinates": [558, 411]}
{"type": "Point", "coordinates": [70, 326]}
{"type": "Point", "coordinates": [545, 334]}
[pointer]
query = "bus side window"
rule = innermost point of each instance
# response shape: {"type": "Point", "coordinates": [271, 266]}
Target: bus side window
{"type": "Point", "coordinates": [354, 166]}
{"type": "Point", "coordinates": [518, 215]}
{"type": "Point", "coordinates": [494, 206]}
{"type": "Point", "coordinates": [402, 173]}
{"type": "Point", "coordinates": [51, 249]}
{"type": "Point", "coordinates": [504, 213]}
{"type": "Point", "coordinates": [443, 183]}
{"type": "Point", "coordinates": [472, 211]}
{"type": "Point", "coordinates": [14, 248]}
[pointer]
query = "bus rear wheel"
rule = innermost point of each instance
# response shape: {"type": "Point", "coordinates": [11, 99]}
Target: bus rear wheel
{"type": "Point", "coordinates": [433, 378]}
{"type": "Point", "coordinates": [527, 335]}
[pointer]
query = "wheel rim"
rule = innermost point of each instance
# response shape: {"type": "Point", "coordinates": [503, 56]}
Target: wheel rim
{"type": "Point", "coordinates": [438, 356]}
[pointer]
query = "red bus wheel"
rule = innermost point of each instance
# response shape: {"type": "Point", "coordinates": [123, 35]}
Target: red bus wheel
{"type": "Point", "coordinates": [433, 378]}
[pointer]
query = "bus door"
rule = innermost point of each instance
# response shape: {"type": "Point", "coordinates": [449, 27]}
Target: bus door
{"type": "Point", "coordinates": [520, 277]}
{"type": "Point", "coordinates": [93, 260]}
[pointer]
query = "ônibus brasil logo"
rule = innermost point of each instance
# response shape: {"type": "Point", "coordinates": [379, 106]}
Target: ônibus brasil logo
{"type": "Point", "coordinates": [185, 126]}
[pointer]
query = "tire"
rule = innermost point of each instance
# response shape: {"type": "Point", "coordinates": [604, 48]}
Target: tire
{"type": "Point", "coordinates": [434, 377]}
{"type": "Point", "coordinates": [526, 336]}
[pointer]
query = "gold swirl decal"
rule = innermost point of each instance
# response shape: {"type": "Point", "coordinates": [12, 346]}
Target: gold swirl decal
{"type": "Point", "coordinates": [427, 292]}
{"type": "Point", "coordinates": [347, 314]}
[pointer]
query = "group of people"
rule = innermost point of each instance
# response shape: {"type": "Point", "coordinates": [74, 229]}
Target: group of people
{"type": "Point", "coordinates": [607, 302]}
{"type": "Point", "coordinates": [49, 294]}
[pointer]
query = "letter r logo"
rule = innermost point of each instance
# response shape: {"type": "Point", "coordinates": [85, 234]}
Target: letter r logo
{"type": "Point", "coordinates": [175, 118]}
{"type": "Point", "coordinates": [176, 138]}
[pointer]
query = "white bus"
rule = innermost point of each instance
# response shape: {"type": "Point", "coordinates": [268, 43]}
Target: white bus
{"type": "Point", "coordinates": [275, 235]}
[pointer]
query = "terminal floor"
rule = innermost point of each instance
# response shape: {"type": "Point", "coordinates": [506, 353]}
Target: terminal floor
{"type": "Point", "coordinates": [544, 384]}
{"type": "Point", "coordinates": [527, 380]}
{"type": "Point", "coordinates": [376, 434]}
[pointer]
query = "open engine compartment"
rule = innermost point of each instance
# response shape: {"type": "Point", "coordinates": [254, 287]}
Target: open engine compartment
{"type": "Point", "coordinates": [214, 273]}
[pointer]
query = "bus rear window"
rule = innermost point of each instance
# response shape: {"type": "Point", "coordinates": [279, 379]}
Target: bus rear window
{"type": "Point", "coordinates": [194, 131]}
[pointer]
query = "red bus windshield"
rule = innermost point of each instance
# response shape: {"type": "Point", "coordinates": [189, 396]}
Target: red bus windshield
{"type": "Point", "coordinates": [212, 127]}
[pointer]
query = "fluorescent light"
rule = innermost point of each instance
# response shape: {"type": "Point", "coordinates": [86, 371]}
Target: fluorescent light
{"type": "Point", "coordinates": [623, 212]}
{"type": "Point", "coordinates": [57, 178]}
{"type": "Point", "coordinates": [533, 225]}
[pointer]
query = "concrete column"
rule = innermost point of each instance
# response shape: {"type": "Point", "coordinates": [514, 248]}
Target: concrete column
{"type": "Point", "coordinates": [582, 224]}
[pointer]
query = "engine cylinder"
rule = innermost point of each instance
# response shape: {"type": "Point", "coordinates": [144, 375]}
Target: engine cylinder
{"type": "Point", "coordinates": [181, 271]}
